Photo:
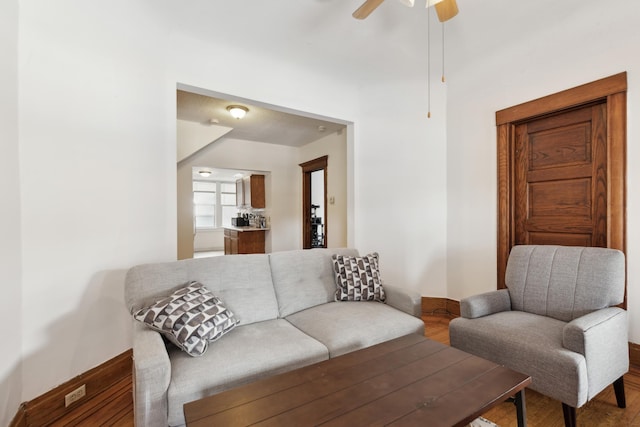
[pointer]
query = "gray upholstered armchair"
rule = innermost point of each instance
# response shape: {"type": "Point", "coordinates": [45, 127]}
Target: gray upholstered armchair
{"type": "Point", "coordinates": [556, 322]}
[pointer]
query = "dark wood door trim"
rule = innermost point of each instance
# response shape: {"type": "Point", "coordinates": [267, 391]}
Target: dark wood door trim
{"type": "Point", "coordinates": [580, 95]}
{"type": "Point", "coordinates": [613, 90]}
{"type": "Point", "coordinates": [314, 165]}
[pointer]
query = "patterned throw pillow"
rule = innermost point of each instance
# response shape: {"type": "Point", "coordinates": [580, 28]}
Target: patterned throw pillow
{"type": "Point", "coordinates": [357, 278]}
{"type": "Point", "coordinates": [191, 318]}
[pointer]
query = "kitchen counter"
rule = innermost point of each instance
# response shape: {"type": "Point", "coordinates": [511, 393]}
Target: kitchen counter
{"type": "Point", "coordinates": [244, 240]}
{"type": "Point", "coordinates": [248, 228]}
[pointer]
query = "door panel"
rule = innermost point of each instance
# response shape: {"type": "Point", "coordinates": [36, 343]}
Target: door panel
{"type": "Point", "coordinates": [573, 239]}
{"type": "Point", "coordinates": [561, 160]}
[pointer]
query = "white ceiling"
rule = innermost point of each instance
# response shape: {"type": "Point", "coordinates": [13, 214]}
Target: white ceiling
{"type": "Point", "coordinates": [261, 124]}
{"type": "Point", "coordinates": [320, 34]}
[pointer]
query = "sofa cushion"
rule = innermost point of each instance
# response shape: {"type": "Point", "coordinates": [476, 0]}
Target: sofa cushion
{"type": "Point", "coordinates": [243, 282]}
{"type": "Point", "coordinates": [527, 343]}
{"type": "Point", "coordinates": [347, 326]}
{"type": "Point", "coordinates": [357, 278]}
{"type": "Point", "coordinates": [251, 352]}
{"type": "Point", "coordinates": [190, 317]}
{"type": "Point", "coordinates": [304, 279]}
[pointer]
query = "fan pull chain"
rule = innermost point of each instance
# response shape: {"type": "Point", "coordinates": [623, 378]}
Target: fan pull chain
{"type": "Point", "coordinates": [443, 79]}
{"type": "Point", "coordinates": [429, 62]}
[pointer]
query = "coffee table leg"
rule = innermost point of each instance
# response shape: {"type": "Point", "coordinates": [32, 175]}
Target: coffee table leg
{"type": "Point", "coordinates": [521, 409]}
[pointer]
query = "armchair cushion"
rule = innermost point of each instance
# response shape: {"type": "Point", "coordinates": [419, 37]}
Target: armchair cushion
{"type": "Point", "coordinates": [564, 282]}
{"type": "Point", "coordinates": [527, 343]}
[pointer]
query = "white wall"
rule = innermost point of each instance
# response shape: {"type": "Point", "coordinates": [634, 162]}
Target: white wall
{"type": "Point", "coordinates": [208, 240]}
{"type": "Point", "coordinates": [97, 127]}
{"type": "Point", "coordinates": [334, 146]}
{"type": "Point", "coordinates": [97, 178]}
{"type": "Point", "coordinates": [500, 60]}
{"type": "Point", "coordinates": [10, 245]}
{"type": "Point", "coordinates": [401, 200]}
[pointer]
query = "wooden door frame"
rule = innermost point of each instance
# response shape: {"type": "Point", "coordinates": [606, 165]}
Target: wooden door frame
{"type": "Point", "coordinates": [612, 90]}
{"type": "Point", "coordinates": [319, 164]}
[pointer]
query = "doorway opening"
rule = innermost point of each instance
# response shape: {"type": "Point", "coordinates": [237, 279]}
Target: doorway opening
{"type": "Point", "coordinates": [273, 139]}
{"type": "Point", "coordinates": [314, 203]}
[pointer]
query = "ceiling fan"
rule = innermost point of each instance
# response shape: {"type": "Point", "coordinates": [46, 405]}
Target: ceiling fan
{"type": "Point", "coordinates": [446, 9]}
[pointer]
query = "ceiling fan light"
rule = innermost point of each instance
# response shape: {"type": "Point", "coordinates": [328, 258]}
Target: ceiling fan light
{"type": "Point", "coordinates": [408, 3]}
{"type": "Point", "coordinates": [237, 111]}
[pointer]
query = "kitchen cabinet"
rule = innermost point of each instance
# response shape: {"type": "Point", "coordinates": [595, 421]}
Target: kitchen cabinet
{"type": "Point", "coordinates": [243, 241]}
{"type": "Point", "coordinates": [250, 192]}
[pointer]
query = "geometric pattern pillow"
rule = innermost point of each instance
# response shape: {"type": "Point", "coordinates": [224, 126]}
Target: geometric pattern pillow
{"type": "Point", "coordinates": [191, 318]}
{"type": "Point", "coordinates": [357, 278]}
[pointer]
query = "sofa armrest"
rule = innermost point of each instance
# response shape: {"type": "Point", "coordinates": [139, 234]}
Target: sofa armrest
{"type": "Point", "coordinates": [602, 336]}
{"type": "Point", "coordinates": [404, 300]}
{"type": "Point", "coordinates": [485, 304]}
{"type": "Point", "coordinates": [151, 377]}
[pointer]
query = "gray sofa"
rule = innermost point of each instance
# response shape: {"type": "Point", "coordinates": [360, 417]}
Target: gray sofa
{"type": "Point", "coordinates": [288, 319]}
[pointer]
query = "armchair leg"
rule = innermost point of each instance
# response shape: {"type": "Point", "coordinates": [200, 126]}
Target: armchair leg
{"type": "Point", "coordinates": [618, 387]}
{"type": "Point", "coordinates": [569, 415]}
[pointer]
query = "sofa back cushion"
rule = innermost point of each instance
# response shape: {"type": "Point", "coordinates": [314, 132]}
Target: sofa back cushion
{"type": "Point", "coordinates": [564, 282]}
{"type": "Point", "coordinates": [242, 282]}
{"type": "Point", "coordinates": [304, 279]}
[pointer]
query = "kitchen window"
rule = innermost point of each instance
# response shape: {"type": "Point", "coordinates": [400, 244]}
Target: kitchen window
{"type": "Point", "coordinates": [214, 204]}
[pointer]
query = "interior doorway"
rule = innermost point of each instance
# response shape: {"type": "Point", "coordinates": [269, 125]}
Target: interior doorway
{"type": "Point", "coordinates": [314, 203]}
{"type": "Point", "coordinates": [270, 138]}
{"type": "Point", "coordinates": [561, 169]}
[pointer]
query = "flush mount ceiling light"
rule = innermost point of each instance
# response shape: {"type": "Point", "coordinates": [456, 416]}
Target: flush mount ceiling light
{"type": "Point", "coordinates": [237, 111]}
{"type": "Point", "coordinates": [204, 173]}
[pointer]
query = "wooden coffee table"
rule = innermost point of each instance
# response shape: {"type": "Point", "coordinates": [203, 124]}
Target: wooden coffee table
{"type": "Point", "coordinates": [409, 381]}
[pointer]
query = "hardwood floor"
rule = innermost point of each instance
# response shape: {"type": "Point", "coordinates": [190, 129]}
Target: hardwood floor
{"type": "Point", "coordinates": [114, 406]}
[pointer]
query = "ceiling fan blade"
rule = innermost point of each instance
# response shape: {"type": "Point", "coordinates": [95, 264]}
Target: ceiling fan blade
{"type": "Point", "coordinates": [366, 8]}
{"type": "Point", "coordinates": [446, 10]}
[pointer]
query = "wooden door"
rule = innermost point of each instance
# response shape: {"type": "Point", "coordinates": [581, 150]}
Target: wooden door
{"type": "Point", "coordinates": [560, 179]}
{"type": "Point", "coordinates": [319, 164]}
{"type": "Point", "coordinates": [562, 169]}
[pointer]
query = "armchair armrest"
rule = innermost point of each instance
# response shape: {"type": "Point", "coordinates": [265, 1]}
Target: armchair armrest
{"type": "Point", "coordinates": [602, 336]}
{"type": "Point", "coordinates": [485, 304]}
{"type": "Point", "coordinates": [151, 376]}
{"type": "Point", "coordinates": [408, 301]}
